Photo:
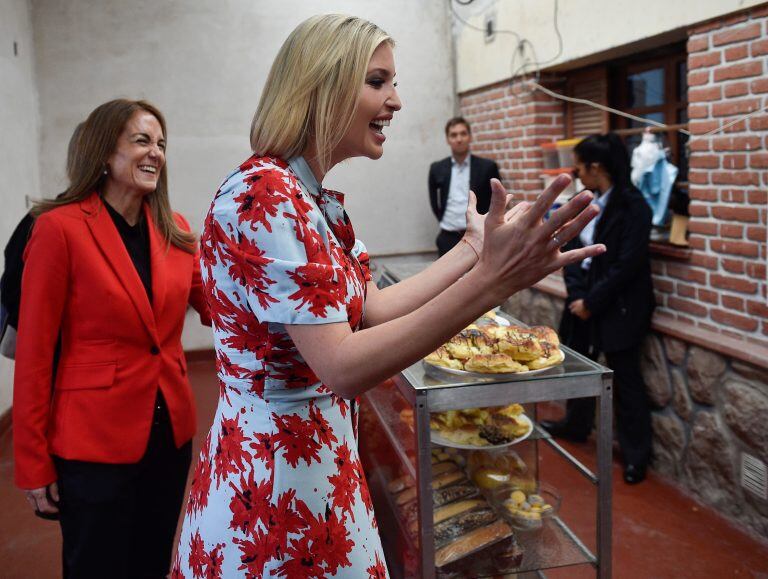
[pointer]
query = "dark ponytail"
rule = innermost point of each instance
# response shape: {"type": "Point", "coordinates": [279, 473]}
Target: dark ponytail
{"type": "Point", "coordinates": [609, 151]}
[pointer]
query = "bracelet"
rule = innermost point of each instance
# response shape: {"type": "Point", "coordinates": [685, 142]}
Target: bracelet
{"type": "Point", "coordinates": [472, 247]}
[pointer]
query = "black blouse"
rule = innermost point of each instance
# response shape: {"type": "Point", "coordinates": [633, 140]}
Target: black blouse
{"type": "Point", "coordinates": [136, 240]}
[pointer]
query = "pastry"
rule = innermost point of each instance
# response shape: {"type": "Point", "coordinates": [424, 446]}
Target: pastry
{"type": "Point", "coordinates": [441, 357]}
{"type": "Point", "coordinates": [453, 493]}
{"type": "Point", "coordinates": [545, 334]}
{"type": "Point", "coordinates": [471, 542]}
{"type": "Point", "coordinates": [462, 524]}
{"type": "Point", "coordinates": [520, 347]}
{"type": "Point", "coordinates": [450, 510]}
{"type": "Point", "coordinates": [493, 363]}
{"type": "Point", "coordinates": [552, 356]}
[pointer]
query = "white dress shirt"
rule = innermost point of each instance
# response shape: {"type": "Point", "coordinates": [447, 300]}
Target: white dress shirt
{"type": "Point", "coordinates": [455, 215]}
{"type": "Point", "coordinates": [587, 235]}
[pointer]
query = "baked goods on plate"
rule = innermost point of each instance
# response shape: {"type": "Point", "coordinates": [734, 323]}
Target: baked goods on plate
{"type": "Point", "coordinates": [490, 427]}
{"type": "Point", "coordinates": [489, 348]}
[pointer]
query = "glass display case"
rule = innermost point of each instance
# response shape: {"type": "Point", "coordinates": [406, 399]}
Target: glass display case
{"type": "Point", "coordinates": [457, 510]}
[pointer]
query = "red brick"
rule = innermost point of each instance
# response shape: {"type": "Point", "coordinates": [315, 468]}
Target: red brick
{"type": "Point", "coordinates": [686, 291]}
{"type": "Point", "coordinates": [700, 144]}
{"type": "Point", "coordinates": [699, 128]}
{"type": "Point", "coordinates": [741, 214]}
{"type": "Point", "coordinates": [732, 283]}
{"type": "Point", "coordinates": [741, 70]}
{"type": "Point", "coordinates": [702, 227]}
{"type": "Point", "coordinates": [735, 178]}
{"type": "Point", "coordinates": [732, 230]}
{"type": "Point", "coordinates": [704, 60]}
{"type": "Point", "coordinates": [708, 261]}
{"type": "Point", "coordinates": [734, 161]}
{"type": "Point", "coordinates": [657, 267]}
{"type": "Point", "coordinates": [757, 233]}
{"type": "Point", "coordinates": [699, 111]}
{"type": "Point", "coordinates": [758, 197]}
{"type": "Point", "coordinates": [698, 210]}
{"type": "Point", "coordinates": [732, 196]}
{"type": "Point", "coordinates": [736, 52]}
{"type": "Point", "coordinates": [697, 242]}
{"type": "Point", "coordinates": [706, 27]}
{"type": "Point", "coordinates": [757, 308]}
{"type": "Point", "coordinates": [759, 47]}
{"type": "Point", "coordinates": [687, 306]}
{"type": "Point", "coordinates": [686, 273]}
{"type": "Point", "coordinates": [736, 143]}
{"type": "Point", "coordinates": [703, 194]}
{"type": "Point", "coordinates": [735, 107]}
{"type": "Point", "coordinates": [698, 77]}
{"type": "Point", "coordinates": [735, 247]}
{"type": "Point", "coordinates": [698, 177]}
{"type": "Point", "coordinates": [759, 85]}
{"type": "Point", "coordinates": [736, 89]}
{"type": "Point", "coordinates": [759, 123]}
{"type": "Point", "coordinates": [697, 44]}
{"type": "Point", "coordinates": [733, 265]}
{"type": "Point", "coordinates": [758, 160]}
{"type": "Point", "coordinates": [759, 11]}
{"type": "Point", "coordinates": [708, 296]}
{"type": "Point", "coordinates": [732, 35]}
{"type": "Point", "coordinates": [705, 161]}
{"type": "Point", "coordinates": [733, 303]}
{"type": "Point", "coordinates": [711, 93]}
{"type": "Point", "coordinates": [735, 320]}
{"type": "Point", "coordinates": [735, 19]}
{"type": "Point", "coordinates": [663, 285]}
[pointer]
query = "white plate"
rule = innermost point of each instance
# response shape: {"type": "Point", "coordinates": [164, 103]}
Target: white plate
{"type": "Point", "coordinates": [439, 372]}
{"type": "Point", "coordinates": [438, 439]}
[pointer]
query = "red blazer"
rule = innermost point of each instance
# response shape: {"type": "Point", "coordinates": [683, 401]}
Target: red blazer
{"type": "Point", "coordinates": [116, 348]}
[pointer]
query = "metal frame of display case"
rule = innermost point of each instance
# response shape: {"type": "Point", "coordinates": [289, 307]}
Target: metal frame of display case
{"type": "Point", "coordinates": [427, 396]}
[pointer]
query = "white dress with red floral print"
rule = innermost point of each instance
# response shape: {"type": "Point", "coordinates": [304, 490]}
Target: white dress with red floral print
{"type": "Point", "coordinates": [279, 490]}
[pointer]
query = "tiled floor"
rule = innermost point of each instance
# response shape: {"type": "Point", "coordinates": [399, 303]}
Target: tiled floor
{"type": "Point", "coordinates": [659, 533]}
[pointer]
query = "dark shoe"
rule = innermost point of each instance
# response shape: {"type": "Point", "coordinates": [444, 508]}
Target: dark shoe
{"type": "Point", "coordinates": [634, 474]}
{"type": "Point", "coordinates": [559, 429]}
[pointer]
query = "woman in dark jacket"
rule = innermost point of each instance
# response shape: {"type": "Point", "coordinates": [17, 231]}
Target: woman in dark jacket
{"type": "Point", "coordinates": [610, 299]}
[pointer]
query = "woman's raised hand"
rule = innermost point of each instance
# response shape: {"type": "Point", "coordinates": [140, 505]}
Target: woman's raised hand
{"type": "Point", "coordinates": [520, 248]}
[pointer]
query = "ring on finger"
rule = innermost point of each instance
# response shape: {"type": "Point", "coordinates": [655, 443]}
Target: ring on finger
{"type": "Point", "coordinates": [557, 241]}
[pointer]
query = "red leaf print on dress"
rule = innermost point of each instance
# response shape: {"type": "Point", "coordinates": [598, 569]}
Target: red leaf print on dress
{"type": "Point", "coordinates": [295, 438]}
{"type": "Point", "coordinates": [201, 480]}
{"type": "Point", "coordinates": [377, 571]}
{"type": "Point", "coordinates": [322, 428]}
{"type": "Point", "coordinates": [230, 456]}
{"type": "Point", "coordinates": [264, 449]}
{"type": "Point", "coordinates": [318, 287]}
{"type": "Point", "coordinates": [255, 552]}
{"type": "Point", "coordinates": [346, 482]}
{"type": "Point", "coordinates": [204, 565]}
{"type": "Point", "coordinates": [250, 503]}
{"type": "Point", "coordinates": [266, 191]}
{"type": "Point", "coordinates": [324, 547]}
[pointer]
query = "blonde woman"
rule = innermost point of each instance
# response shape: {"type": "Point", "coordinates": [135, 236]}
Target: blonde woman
{"type": "Point", "coordinates": [105, 443]}
{"type": "Point", "coordinates": [300, 330]}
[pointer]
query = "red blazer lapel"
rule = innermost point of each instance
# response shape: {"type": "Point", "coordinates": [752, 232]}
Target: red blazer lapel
{"type": "Point", "coordinates": [158, 249]}
{"type": "Point", "coordinates": [108, 239]}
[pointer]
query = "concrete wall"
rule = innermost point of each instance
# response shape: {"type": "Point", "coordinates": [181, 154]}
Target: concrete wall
{"type": "Point", "coordinates": [588, 28]}
{"type": "Point", "coordinates": [19, 167]}
{"type": "Point", "coordinates": [204, 64]}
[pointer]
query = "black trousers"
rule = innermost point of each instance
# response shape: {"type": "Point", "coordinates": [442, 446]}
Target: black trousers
{"type": "Point", "coordinates": [446, 240]}
{"type": "Point", "coordinates": [119, 520]}
{"type": "Point", "coordinates": [633, 410]}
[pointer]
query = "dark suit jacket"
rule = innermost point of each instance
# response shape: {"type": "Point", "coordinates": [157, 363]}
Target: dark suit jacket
{"type": "Point", "coordinates": [617, 288]}
{"type": "Point", "coordinates": [481, 171]}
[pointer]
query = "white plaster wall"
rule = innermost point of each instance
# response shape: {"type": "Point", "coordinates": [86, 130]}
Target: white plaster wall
{"type": "Point", "coordinates": [19, 172]}
{"type": "Point", "coordinates": [204, 64]}
{"type": "Point", "coordinates": [587, 27]}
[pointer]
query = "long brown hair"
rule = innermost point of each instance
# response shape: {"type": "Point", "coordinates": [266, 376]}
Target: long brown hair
{"type": "Point", "coordinates": [89, 154]}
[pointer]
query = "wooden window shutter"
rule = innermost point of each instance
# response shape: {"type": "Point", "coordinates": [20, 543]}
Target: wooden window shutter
{"type": "Point", "coordinates": [590, 84]}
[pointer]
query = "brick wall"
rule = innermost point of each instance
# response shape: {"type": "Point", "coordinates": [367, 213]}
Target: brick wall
{"type": "Point", "coordinates": [508, 125]}
{"type": "Point", "coordinates": [721, 286]}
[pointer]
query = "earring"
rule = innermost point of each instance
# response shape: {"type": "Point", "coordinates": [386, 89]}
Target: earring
{"type": "Point", "coordinates": [105, 172]}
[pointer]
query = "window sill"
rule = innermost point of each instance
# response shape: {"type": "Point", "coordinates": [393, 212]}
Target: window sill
{"type": "Point", "coordinates": [666, 249]}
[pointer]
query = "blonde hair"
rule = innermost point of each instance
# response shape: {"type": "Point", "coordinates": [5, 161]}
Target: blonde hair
{"type": "Point", "coordinates": [313, 86]}
{"type": "Point", "coordinates": [91, 147]}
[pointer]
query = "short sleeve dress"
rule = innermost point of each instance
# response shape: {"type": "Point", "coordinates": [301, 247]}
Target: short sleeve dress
{"type": "Point", "coordinates": [279, 490]}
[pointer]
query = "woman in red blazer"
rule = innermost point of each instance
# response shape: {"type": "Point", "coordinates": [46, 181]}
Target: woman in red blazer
{"type": "Point", "coordinates": [103, 440]}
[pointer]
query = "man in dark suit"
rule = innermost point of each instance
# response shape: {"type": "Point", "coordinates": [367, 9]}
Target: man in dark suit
{"type": "Point", "coordinates": [610, 300]}
{"type": "Point", "coordinates": [450, 181]}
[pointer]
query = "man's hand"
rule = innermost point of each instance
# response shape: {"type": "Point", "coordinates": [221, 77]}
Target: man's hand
{"type": "Point", "coordinates": [579, 310]}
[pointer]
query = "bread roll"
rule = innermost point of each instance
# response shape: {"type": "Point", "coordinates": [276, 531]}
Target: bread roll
{"type": "Point", "coordinates": [471, 542]}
